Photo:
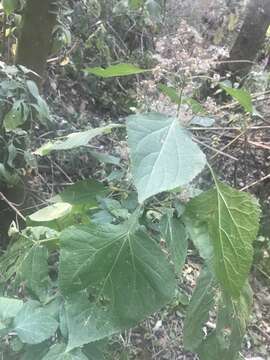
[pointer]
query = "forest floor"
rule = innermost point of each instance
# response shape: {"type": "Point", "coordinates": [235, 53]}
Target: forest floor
{"type": "Point", "coordinates": [245, 160]}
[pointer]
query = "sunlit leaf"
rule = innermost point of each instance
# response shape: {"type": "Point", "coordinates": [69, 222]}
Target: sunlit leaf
{"type": "Point", "coordinates": [240, 95]}
{"type": "Point", "coordinates": [51, 212]}
{"type": "Point", "coordinates": [73, 140]}
{"type": "Point", "coordinates": [163, 155]}
{"type": "Point", "coordinates": [232, 218]}
{"type": "Point", "coordinates": [115, 70]}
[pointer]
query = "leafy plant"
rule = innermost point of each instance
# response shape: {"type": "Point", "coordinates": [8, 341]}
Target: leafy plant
{"type": "Point", "coordinates": [113, 273]}
{"type": "Point", "coordinates": [21, 106]}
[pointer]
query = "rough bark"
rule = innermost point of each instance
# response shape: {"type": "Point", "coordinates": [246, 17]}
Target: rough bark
{"type": "Point", "coordinates": [34, 42]}
{"type": "Point", "coordinates": [250, 39]}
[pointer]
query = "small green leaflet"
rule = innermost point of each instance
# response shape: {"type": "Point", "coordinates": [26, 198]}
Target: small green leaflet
{"type": "Point", "coordinates": [115, 70]}
{"type": "Point", "coordinates": [130, 278]}
{"type": "Point", "coordinates": [163, 155]}
{"type": "Point", "coordinates": [242, 96]}
{"type": "Point", "coordinates": [232, 218]}
{"type": "Point", "coordinates": [201, 303]}
{"type": "Point", "coordinates": [33, 324]}
{"type": "Point", "coordinates": [82, 192]}
{"type": "Point", "coordinates": [174, 233]}
{"type": "Point", "coordinates": [74, 140]}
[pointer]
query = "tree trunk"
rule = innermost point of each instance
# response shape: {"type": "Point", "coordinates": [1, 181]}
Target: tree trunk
{"type": "Point", "coordinates": [34, 43]}
{"type": "Point", "coordinates": [250, 39]}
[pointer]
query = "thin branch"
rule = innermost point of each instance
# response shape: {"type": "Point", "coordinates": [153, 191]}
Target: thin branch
{"type": "Point", "coordinates": [11, 205]}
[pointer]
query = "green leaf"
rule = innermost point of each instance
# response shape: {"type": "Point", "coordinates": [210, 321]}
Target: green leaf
{"type": "Point", "coordinates": [174, 233]}
{"type": "Point", "coordinates": [10, 178]}
{"type": "Point", "coordinates": [73, 140]}
{"type": "Point", "coordinates": [34, 271]}
{"type": "Point", "coordinates": [130, 279]}
{"type": "Point", "coordinates": [242, 96]}
{"type": "Point", "coordinates": [9, 6]}
{"type": "Point", "coordinates": [232, 218]}
{"type": "Point", "coordinates": [163, 156]}
{"type": "Point", "coordinates": [105, 158]}
{"type": "Point", "coordinates": [9, 308]}
{"type": "Point", "coordinates": [33, 324]}
{"type": "Point", "coordinates": [35, 352]}
{"type": "Point", "coordinates": [15, 117]}
{"type": "Point", "coordinates": [154, 9]}
{"type": "Point", "coordinates": [232, 320]}
{"type": "Point", "coordinates": [82, 192]}
{"type": "Point", "coordinates": [197, 315]}
{"type": "Point", "coordinates": [58, 352]}
{"type": "Point", "coordinates": [87, 321]}
{"type": "Point", "coordinates": [171, 92]}
{"type": "Point", "coordinates": [135, 4]}
{"type": "Point", "coordinates": [195, 106]}
{"type": "Point", "coordinates": [33, 89]}
{"type": "Point", "coordinates": [115, 70]}
{"type": "Point", "coordinates": [51, 212]}
{"type": "Point", "coordinates": [195, 220]}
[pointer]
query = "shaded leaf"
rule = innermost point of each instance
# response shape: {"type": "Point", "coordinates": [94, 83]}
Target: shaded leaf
{"type": "Point", "coordinates": [33, 324]}
{"type": "Point", "coordinates": [130, 278]}
{"type": "Point", "coordinates": [202, 301]}
{"type": "Point", "coordinates": [35, 352]}
{"type": "Point", "coordinates": [58, 352]}
{"type": "Point", "coordinates": [105, 158]}
{"type": "Point", "coordinates": [163, 156]}
{"type": "Point", "coordinates": [232, 319]}
{"type": "Point", "coordinates": [174, 233]}
{"type": "Point", "coordinates": [15, 117]}
{"type": "Point", "coordinates": [9, 307]}
{"type": "Point", "coordinates": [82, 192]}
{"type": "Point", "coordinates": [34, 271]}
